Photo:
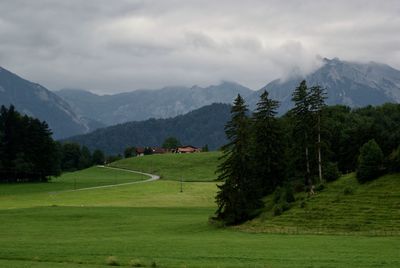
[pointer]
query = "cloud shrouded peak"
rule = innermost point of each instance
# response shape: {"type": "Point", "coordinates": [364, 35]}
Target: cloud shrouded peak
{"type": "Point", "coordinates": [112, 46]}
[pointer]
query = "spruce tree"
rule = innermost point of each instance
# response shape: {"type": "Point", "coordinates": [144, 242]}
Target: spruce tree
{"type": "Point", "coordinates": [238, 197]}
{"type": "Point", "coordinates": [303, 125]}
{"type": "Point", "coordinates": [317, 103]}
{"type": "Point", "coordinates": [268, 147]}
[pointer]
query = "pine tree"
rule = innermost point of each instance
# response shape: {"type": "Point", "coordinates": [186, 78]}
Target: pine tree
{"type": "Point", "coordinates": [303, 119]}
{"type": "Point", "coordinates": [268, 147]}
{"type": "Point", "coordinates": [317, 103]}
{"type": "Point", "coordinates": [238, 196]}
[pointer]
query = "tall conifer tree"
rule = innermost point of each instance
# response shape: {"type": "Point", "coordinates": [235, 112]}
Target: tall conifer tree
{"type": "Point", "coordinates": [317, 103]}
{"type": "Point", "coordinates": [237, 198]}
{"type": "Point", "coordinates": [303, 125]}
{"type": "Point", "coordinates": [268, 147]}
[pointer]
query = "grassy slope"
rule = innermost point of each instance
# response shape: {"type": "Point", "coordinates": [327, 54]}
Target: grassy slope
{"type": "Point", "coordinates": [344, 206]}
{"type": "Point", "coordinates": [155, 221]}
{"type": "Point", "coordinates": [189, 167]}
{"type": "Point", "coordinates": [94, 176]}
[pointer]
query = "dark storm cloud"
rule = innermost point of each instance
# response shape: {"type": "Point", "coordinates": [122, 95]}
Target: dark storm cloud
{"type": "Point", "coordinates": [110, 46]}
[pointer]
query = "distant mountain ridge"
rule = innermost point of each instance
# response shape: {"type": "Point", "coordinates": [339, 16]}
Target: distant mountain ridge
{"type": "Point", "coordinates": [35, 100]}
{"type": "Point", "coordinates": [75, 112]}
{"type": "Point", "coordinates": [144, 104]}
{"type": "Point", "coordinates": [348, 83]}
{"type": "Point", "coordinates": [198, 128]}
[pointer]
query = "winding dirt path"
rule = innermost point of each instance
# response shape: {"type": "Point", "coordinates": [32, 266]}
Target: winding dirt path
{"type": "Point", "coordinates": [152, 178]}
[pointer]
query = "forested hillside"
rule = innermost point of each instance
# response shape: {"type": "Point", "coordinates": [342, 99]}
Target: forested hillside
{"type": "Point", "coordinates": [301, 151]}
{"type": "Point", "coordinates": [197, 128]}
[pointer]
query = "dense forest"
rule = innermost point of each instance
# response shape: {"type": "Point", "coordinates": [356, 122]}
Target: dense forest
{"type": "Point", "coordinates": [197, 128]}
{"type": "Point", "coordinates": [27, 151]}
{"type": "Point", "coordinates": [302, 150]}
{"type": "Point", "coordinates": [29, 154]}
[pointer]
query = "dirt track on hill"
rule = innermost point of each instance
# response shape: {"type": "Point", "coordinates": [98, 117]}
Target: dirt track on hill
{"type": "Point", "coordinates": [152, 178]}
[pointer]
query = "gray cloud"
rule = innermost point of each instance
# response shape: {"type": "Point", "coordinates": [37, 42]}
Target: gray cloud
{"type": "Point", "coordinates": [112, 46]}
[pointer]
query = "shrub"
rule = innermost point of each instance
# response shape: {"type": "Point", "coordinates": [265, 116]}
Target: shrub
{"type": "Point", "coordinates": [348, 191]}
{"type": "Point", "coordinates": [289, 195]}
{"type": "Point", "coordinates": [331, 171]}
{"type": "Point", "coordinates": [277, 195]}
{"type": "Point", "coordinates": [278, 210]}
{"type": "Point", "coordinates": [112, 261]}
{"type": "Point", "coordinates": [369, 162]}
{"type": "Point", "coordinates": [136, 263]}
{"type": "Point", "coordinates": [285, 206]}
{"type": "Point", "coordinates": [283, 195]}
{"type": "Point", "coordinates": [320, 187]}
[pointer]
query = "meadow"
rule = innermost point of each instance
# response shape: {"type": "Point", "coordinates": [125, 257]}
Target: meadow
{"type": "Point", "coordinates": [186, 167]}
{"type": "Point", "coordinates": [154, 224]}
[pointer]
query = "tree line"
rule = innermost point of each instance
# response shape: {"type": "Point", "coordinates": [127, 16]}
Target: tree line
{"type": "Point", "coordinates": [29, 154]}
{"type": "Point", "coordinates": [300, 151]}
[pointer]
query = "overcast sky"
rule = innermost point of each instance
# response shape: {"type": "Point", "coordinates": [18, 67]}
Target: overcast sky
{"type": "Point", "coordinates": [113, 46]}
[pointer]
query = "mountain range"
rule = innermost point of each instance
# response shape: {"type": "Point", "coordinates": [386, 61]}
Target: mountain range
{"type": "Point", "coordinates": [144, 104]}
{"type": "Point", "coordinates": [35, 100]}
{"type": "Point", "coordinates": [348, 83]}
{"type": "Point", "coordinates": [72, 112]}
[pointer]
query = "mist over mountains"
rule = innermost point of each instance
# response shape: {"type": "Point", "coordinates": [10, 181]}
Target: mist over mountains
{"type": "Point", "coordinates": [72, 112]}
{"type": "Point", "coordinates": [144, 104]}
{"type": "Point", "coordinates": [348, 83]}
{"type": "Point", "coordinates": [35, 100]}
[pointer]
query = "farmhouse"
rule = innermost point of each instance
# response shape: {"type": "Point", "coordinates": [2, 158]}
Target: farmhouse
{"type": "Point", "coordinates": [158, 150]}
{"type": "Point", "coordinates": [187, 149]}
{"type": "Point", "coordinates": [140, 151]}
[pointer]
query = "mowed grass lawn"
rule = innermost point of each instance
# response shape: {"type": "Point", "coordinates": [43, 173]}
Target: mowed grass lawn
{"type": "Point", "coordinates": [156, 222]}
{"type": "Point", "coordinates": [186, 167]}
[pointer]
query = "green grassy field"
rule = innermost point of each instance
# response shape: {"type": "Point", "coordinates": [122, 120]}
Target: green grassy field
{"type": "Point", "coordinates": [155, 222]}
{"type": "Point", "coordinates": [91, 177]}
{"type": "Point", "coordinates": [189, 167]}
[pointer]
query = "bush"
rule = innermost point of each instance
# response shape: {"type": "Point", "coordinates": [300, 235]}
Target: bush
{"type": "Point", "coordinates": [369, 162]}
{"type": "Point", "coordinates": [278, 210]}
{"type": "Point", "coordinates": [277, 194]}
{"type": "Point", "coordinates": [112, 261]}
{"type": "Point", "coordinates": [289, 195]}
{"type": "Point", "coordinates": [319, 187]}
{"type": "Point", "coordinates": [348, 191]}
{"type": "Point", "coordinates": [284, 195]}
{"type": "Point", "coordinates": [136, 263]}
{"type": "Point", "coordinates": [331, 172]}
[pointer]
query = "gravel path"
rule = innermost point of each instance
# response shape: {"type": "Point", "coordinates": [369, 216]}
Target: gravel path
{"type": "Point", "coordinates": [152, 178]}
